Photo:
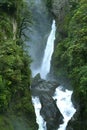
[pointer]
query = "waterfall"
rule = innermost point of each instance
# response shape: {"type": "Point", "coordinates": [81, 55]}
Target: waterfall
{"type": "Point", "coordinates": [38, 38]}
{"type": "Point", "coordinates": [63, 97]}
{"type": "Point", "coordinates": [45, 68]}
{"type": "Point", "coordinates": [38, 33]}
{"type": "Point", "coordinates": [64, 104]}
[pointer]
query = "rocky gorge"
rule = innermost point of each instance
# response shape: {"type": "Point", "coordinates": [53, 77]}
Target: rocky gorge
{"type": "Point", "coordinates": [64, 63]}
{"type": "Point", "coordinates": [24, 31]}
{"type": "Point", "coordinates": [49, 111]}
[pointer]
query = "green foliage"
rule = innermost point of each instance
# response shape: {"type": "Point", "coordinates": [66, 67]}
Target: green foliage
{"type": "Point", "coordinates": [12, 122]}
{"type": "Point", "coordinates": [5, 27]}
{"type": "Point", "coordinates": [5, 123]}
{"type": "Point", "coordinates": [49, 3]}
{"type": "Point", "coordinates": [70, 56]}
{"type": "Point", "coordinates": [15, 73]}
{"type": "Point", "coordinates": [14, 67]}
{"type": "Point", "coordinates": [4, 95]}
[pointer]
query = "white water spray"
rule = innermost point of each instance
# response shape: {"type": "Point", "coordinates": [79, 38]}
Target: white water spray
{"type": "Point", "coordinates": [39, 119]}
{"type": "Point", "coordinates": [45, 68]}
{"type": "Point", "coordinates": [64, 104]}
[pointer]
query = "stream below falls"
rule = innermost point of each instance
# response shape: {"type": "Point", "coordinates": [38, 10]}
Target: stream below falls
{"type": "Point", "coordinates": [41, 49]}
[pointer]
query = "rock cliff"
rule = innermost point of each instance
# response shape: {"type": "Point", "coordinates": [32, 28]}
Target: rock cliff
{"type": "Point", "coordinates": [60, 8]}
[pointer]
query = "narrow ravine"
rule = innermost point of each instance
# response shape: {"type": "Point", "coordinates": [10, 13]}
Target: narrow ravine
{"type": "Point", "coordinates": [41, 50]}
{"type": "Point", "coordinates": [63, 96]}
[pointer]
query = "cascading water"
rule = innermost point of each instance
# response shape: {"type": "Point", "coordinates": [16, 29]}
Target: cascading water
{"type": "Point", "coordinates": [63, 97]}
{"type": "Point", "coordinates": [38, 37]}
{"type": "Point", "coordinates": [45, 68]}
{"type": "Point", "coordinates": [39, 119]}
{"type": "Point", "coordinates": [64, 104]}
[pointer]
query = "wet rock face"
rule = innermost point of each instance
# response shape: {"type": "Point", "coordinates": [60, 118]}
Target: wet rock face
{"type": "Point", "coordinates": [76, 122]}
{"type": "Point", "coordinates": [60, 8]}
{"type": "Point", "coordinates": [40, 86]}
{"type": "Point", "coordinates": [49, 111]}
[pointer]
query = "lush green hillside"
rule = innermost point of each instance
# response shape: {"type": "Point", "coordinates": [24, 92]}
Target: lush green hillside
{"type": "Point", "coordinates": [15, 97]}
{"type": "Point", "coordinates": [70, 57]}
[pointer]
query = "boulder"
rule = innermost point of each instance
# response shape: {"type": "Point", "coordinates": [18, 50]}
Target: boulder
{"type": "Point", "coordinates": [50, 112]}
{"type": "Point", "coordinates": [40, 86]}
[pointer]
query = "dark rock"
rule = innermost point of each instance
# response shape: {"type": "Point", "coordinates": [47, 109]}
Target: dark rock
{"type": "Point", "coordinates": [35, 80]}
{"type": "Point", "coordinates": [50, 112]}
{"type": "Point", "coordinates": [60, 8]}
{"type": "Point", "coordinates": [40, 86]}
{"type": "Point", "coordinates": [77, 122]}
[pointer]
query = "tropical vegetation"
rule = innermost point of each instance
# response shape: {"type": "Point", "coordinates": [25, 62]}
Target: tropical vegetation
{"type": "Point", "coordinates": [70, 57]}
{"type": "Point", "coordinates": [15, 73]}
